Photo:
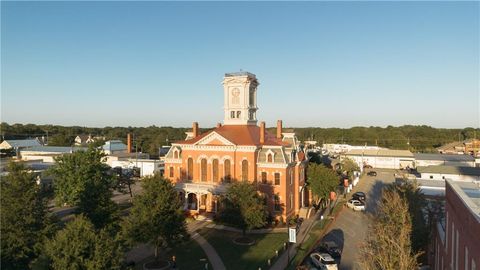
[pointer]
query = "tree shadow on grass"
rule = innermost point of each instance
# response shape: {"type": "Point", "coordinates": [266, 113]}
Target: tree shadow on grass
{"type": "Point", "coordinates": [240, 257]}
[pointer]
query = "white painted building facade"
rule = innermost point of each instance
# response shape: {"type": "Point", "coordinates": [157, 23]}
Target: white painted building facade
{"type": "Point", "coordinates": [381, 158]}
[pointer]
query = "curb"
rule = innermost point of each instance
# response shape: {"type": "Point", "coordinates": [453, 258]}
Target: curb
{"type": "Point", "coordinates": [323, 234]}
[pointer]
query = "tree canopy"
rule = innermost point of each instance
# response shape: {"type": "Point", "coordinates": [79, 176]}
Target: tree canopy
{"type": "Point", "coordinates": [348, 166]}
{"type": "Point", "coordinates": [25, 221]}
{"type": "Point", "coordinates": [388, 246]}
{"type": "Point", "coordinates": [243, 207]}
{"type": "Point", "coordinates": [84, 181]}
{"type": "Point", "coordinates": [156, 216]}
{"type": "Point", "coordinates": [149, 139]}
{"type": "Point", "coordinates": [80, 246]}
{"type": "Point", "coordinates": [416, 201]}
{"type": "Point", "coordinates": [321, 180]}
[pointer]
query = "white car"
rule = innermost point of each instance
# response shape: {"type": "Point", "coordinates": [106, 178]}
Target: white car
{"type": "Point", "coordinates": [324, 261]}
{"type": "Point", "coordinates": [356, 205]}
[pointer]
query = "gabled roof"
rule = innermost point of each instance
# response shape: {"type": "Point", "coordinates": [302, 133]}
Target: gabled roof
{"type": "Point", "coordinates": [114, 145]}
{"type": "Point", "coordinates": [7, 144]}
{"type": "Point", "coordinates": [240, 135]}
{"type": "Point", "coordinates": [83, 137]}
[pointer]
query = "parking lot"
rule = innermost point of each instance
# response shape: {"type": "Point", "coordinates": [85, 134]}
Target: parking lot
{"type": "Point", "coordinates": [350, 228]}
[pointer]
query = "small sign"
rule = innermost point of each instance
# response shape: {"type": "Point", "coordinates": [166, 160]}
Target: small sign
{"type": "Point", "coordinates": [292, 235]}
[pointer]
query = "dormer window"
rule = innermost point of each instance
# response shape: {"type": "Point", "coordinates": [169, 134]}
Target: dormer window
{"type": "Point", "coordinates": [270, 156]}
{"type": "Point", "coordinates": [175, 154]}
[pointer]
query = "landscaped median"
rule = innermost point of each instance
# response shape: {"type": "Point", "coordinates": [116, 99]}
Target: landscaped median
{"type": "Point", "coordinates": [315, 235]}
{"type": "Point", "coordinates": [239, 256]}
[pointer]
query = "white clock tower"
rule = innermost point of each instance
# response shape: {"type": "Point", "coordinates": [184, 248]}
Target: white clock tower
{"type": "Point", "coordinates": [240, 98]}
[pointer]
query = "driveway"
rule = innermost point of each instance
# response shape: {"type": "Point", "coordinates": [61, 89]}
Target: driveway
{"type": "Point", "coordinates": [350, 228]}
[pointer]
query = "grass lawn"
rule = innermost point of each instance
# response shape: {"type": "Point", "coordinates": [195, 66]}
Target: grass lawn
{"type": "Point", "coordinates": [188, 256]}
{"type": "Point", "coordinates": [238, 257]}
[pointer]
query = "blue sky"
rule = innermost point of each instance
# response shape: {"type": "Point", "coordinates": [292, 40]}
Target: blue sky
{"type": "Point", "coordinates": [325, 64]}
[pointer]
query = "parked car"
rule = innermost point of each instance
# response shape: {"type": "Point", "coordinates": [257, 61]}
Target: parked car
{"type": "Point", "coordinates": [372, 173]}
{"type": "Point", "coordinates": [356, 205]}
{"type": "Point", "coordinates": [359, 196]}
{"type": "Point", "coordinates": [324, 261]}
{"type": "Point", "coordinates": [331, 248]}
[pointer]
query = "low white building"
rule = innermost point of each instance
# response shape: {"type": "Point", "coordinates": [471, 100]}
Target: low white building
{"type": "Point", "coordinates": [422, 160]}
{"type": "Point", "coordinates": [46, 153]}
{"type": "Point", "coordinates": [466, 174]}
{"type": "Point", "coordinates": [344, 148]}
{"type": "Point", "coordinates": [382, 158]}
{"type": "Point", "coordinates": [147, 166]}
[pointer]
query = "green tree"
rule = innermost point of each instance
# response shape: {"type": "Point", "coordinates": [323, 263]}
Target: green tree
{"type": "Point", "coordinates": [25, 220]}
{"type": "Point", "coordinates": [244, 208]}
{"type": "Point", "coordinates": [80, 246]}
{"type": "Point", "coordinates": [321, 180]}
{"type": "Point", "coordinates": [348, 166]}
{"type": "Point", "coordinates": [388, 246]}
{"type": "Point", "coordinates": [84, 181]}
{"type": "Point", "coordinates": [156, 216]}
{"type": "Point", "coordinates": [60, 140]}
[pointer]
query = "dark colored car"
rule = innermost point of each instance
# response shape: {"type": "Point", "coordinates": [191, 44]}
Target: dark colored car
{"type": "Point", "coordinates": [331, 248]}
{"type": "Point", "coordinates": [359, 196]}
{"type": "Point", "coordinates": [372, 173]}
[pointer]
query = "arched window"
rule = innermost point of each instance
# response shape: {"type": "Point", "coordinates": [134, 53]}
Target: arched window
{"type": "Point", "coordinates": [245, 170]}
{"type": "Point", "coordinates": [203, 167]}
{"type": "Point", "coordinates": [190, 169]}
{"type": "Point", "coordinates": [226, 168]}
{"type": "Point", "coordinates": [238, 114]}
{"type": "Point", "coordinates": [215, 170]}
{"type": "Point", "coordinates": [270, 158]}
{"type": "Point", "coordinates": [175, 154]}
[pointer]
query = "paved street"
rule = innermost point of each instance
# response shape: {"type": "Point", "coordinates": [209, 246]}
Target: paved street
{"type": "Point", "coordinates": [350, 228]}
{"type": "Point", "coordinates": [117, 197]}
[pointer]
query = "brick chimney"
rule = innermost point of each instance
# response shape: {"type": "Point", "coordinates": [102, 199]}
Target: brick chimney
{"type": "Point", "coordinates": [195, 132]}
{"type": "Point", "coordinates": [262, 132]}
{"type": "Point", "coordinates": [219, 125]}
{"type": "Point", "coordinates": [279, 129]}
{"type": "Point", "coordinates": [129, 142]}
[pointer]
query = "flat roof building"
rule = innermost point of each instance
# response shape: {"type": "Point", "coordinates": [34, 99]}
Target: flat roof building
{"type": "Point", "coordinates": [422, 159]}
{"type": "Point", "coordinates": [457, 239]}
{"type": "Point", "coordinates": [455, 173]}
{"type": "Point", "coordinates": [382, 158]}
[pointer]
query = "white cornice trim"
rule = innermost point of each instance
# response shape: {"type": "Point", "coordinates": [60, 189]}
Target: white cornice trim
{"type": "Point", "coordinates": [272, 165]}
{"type": "Point", "coordinates": [214, 136]}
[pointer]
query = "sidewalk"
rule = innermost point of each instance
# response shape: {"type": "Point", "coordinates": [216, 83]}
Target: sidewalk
{"type": "Point", "coordinates": [282, 262]}
{"type": "Point", "coordinates": [256, 231]}
{"type": "Point", "coordinates": [144, 251]}
{"type": "Point", "coordinates": [215, 260]}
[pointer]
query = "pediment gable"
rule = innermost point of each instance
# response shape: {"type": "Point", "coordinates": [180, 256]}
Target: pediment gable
{"type": "Point", "coordinates": [214, 139]}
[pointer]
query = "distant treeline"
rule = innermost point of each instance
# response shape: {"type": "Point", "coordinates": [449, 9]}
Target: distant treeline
{"type": "Point", "coordinates": [149, 139]}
